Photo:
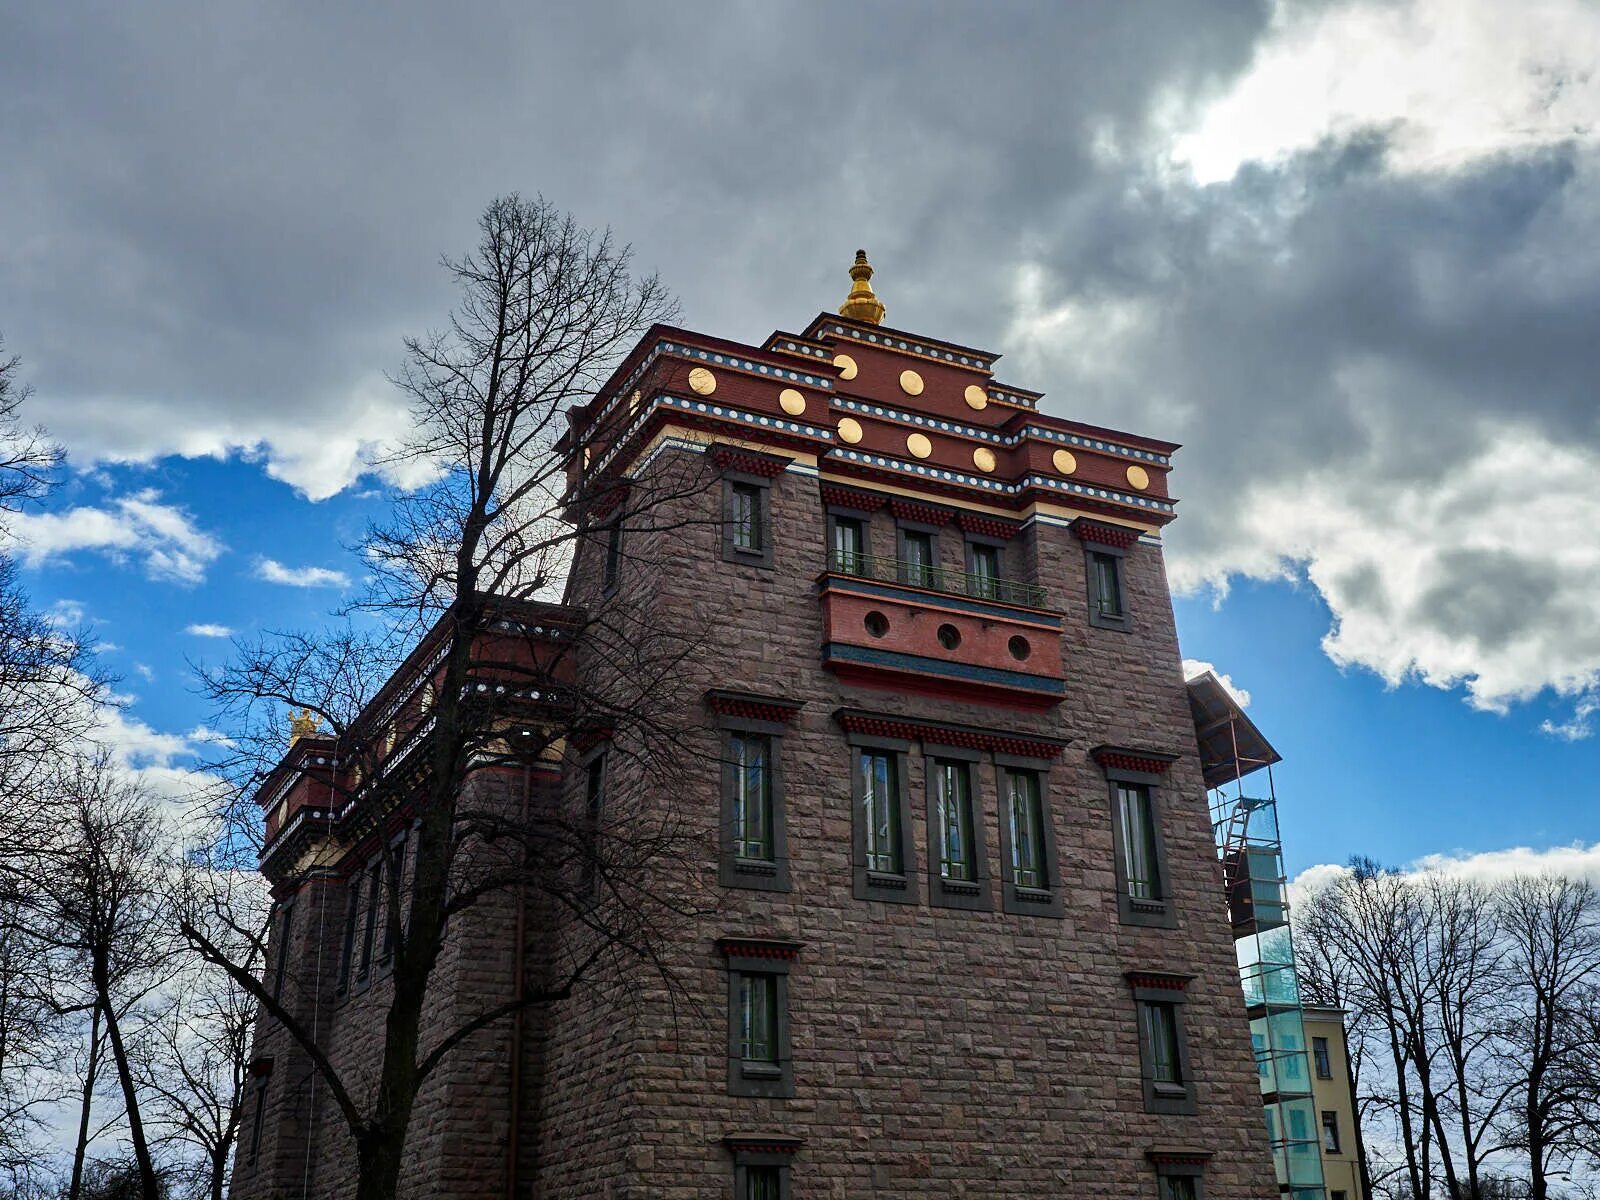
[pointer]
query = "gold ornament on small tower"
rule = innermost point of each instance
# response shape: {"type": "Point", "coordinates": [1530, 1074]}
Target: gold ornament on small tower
{"type": "Point", "coordinates": [862, 304]}
{"type": "Point", "coordinates": [302, 724]}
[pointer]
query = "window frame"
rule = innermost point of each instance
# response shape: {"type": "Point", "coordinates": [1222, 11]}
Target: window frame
{"type": "Point", "coordinates": [1159, 911]}
{"type": "Point", "coordinates": [258, 1119]}
{"type": "Point", "coordinates": [975, 894]}
{"type": "Point", "coordinates": [280, 968]}
{"type": "Point", "coordinates": [1321, 1058]}
{"type": "Point", "coordinates": [1162, 1096]}
{"type": "Point", "coordinates": [969, 560]}
{"type": "Point", "coordinates": [761, 486]}
{"type": "Point", "coordinates": [1016, 898]}
{"type": "Point", "coordinates": [1119, 557]}
{"type": "Point", "coordinates": [611, 557]}
{"type": "Point", "coordinates": [1190, 1171]}
{"type": "Point", "coordinates": [871, 884]}
{"type": "Point", "coordinates": [347, 958]}
{"type": "Point", "coordinates": [732, 870]}
{"type": "Point", "coordinates": [749, 1078]}
{"type": "Point", "coordinates": [367, 962]}
{"type": "Point", "coordinates": [858, 516]}
{"type": "Point", "coordinates": [1330, 1126]}
{"type": "Point", "coordinates": [756, 1152]}
{"type": "Point", "coordinates": [399, 849]}
{"type": "Point", "coordinates": [902, 559]}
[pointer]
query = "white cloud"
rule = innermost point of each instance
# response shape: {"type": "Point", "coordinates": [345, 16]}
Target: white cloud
{"type": "Point", "coordinates": [137, 526]}
{"type": "Point", "coordinates": [208, 630]}
{"type": "Point", "coordinates": [301, 577]}
{"type": "Point", "coordinates": [1450, 80]}
{"type": "Point", "coordinates": [1580, 725]}
{"type": "Point", "coordinates": [1490, 866]}
{"type": "Point", "coordinates": [1193, 668]}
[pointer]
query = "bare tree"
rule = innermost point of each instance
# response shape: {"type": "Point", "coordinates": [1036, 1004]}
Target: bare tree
{"type": "Point", "coordinates": [499, 679]}
{"type": "Point", "coordinates": [1552, 934]}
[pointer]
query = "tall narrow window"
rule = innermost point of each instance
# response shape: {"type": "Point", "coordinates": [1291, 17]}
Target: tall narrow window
{"type": "Point", "coordinates": [613, 568]}
{"type": "Point", "coordinates": [1319, 1051]}
{"type": "Point", "coordinates": [1106, 584]}
{"type": "Point", "coordinates": [762, 1183]}
{"type": "Point", "coordinates": [1140, 873]}
{"type": "Point", "coordinates": [1330, 1131]}
{"type": "Point", "coordinates": [258, 1121]}
{"type": "Point", "coordinates": [352, 915]}
{"type": "Point", "coordinates": [758, 1018]}
{"type": "Point", "coordinates": [849, 546]}
{"type": "Point", "coordinates": [759, 1062]}
{"type": "Point", "coordinates": [748, 534]}
{"type": "Point", "coordinates": [917, 561]}
{"type": "Point", "coordinates": [1025, 813]}
{"type": "Point", "coordinates": [983, 570]}
{"type": "Point", "coordinates": [392, 919]}
{"type": "Point", "coordinates": [880, 811]}
{"type": "Point", "coordinates": [369, 928]}
{"type": "Point", "coordinates": [752, 796]}
{"type": "Point", "coordinates": [1161, 1040]}
{"type": "Point", "coordinates": [953, 807]}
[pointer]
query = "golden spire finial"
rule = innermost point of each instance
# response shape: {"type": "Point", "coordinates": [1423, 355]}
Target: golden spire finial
{"type": "Point", "coordinates": [862, 304]}
{"type": "Point", "coordinates": [301, 724]}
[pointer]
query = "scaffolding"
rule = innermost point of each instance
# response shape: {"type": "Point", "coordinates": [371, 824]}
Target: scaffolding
{"type": "Point", "coordinates": [1245, 825]}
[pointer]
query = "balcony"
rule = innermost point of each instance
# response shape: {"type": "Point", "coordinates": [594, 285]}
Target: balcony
{"type": "Point", "coordinates": [937, 579]}
{"type": "Point", "coordinates": [906, 627]}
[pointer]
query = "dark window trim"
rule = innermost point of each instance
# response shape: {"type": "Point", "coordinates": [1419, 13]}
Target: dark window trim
{"type": "Point", "coordinates": [775, 1151]}
{"type": "Point", "coordinates": [759, 1079]}
{"type": "Point", "coordinates": [878, 885]}
{"type": "Point", "coordinates": [1047, 901]}
{"type": "Point", "coordinates": [1323, 1062]}
{"type": "Point", "coordinates": [373, 873]}
{"type": "Point", "coordinates": [1175, 1100]}
{"type": "Point", "coordinates": [730, 552]}
{"type": "Point", "coordinates": [1181, 1170]}
{"type": "Point", "coordinates": [1160, 912]}
{"type": "Point", "coordinates": [1096, 618]}
{"type": "Point", "coordinates": [733, 871]}
{"type": "Point", "coordinates": [1338, 1141]}
{"type": "Point", "coordinates": [977, 894]}
{"type": "Point", "coordinates": [399, 848]}
{"type": "Point", "coordinates": [861, 515]}
{"type": "Point", "coordinates": [258, 1120]}
{"type": "Point", "coordinates": [591, 816]}
{"type": "Point", "coordinates": [352, 911]}
{"type": "Point", "coordinates": [285, 930]}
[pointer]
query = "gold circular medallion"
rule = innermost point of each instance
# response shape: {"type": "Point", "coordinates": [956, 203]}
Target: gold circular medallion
{"type": "Point", "coordinates": [849, 430]}
{"type": "Point", "coordinates": [1064, 461]}
{"type": "Point", "coordinates": [1138, 477]}
{"type": "Point", "coordinates": [702, 381]}
{"type": "Point", "coordinates": [919, 444]}
{"type": "Point", "coordinates": [983, 458]}
{"type": "Point", "coordinates": [911, 383]}
{"type": "Point", "coordinates": [976, 397]}
{"type": "Point", "coordinates": [792, 402]}
{"type": "Point", "coordinates": [846, 365]}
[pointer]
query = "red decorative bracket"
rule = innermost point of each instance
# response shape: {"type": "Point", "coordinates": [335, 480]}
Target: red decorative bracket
{"type": "Point", "coordinates": [762, 1143]}
{"type": "Point", "coordinates": [1107, 535]}
{"type": "Point", "coordinates": [998, 741]}
{"type": "Point", "coordinates": [747, 947]}
{"type": "Point", "coordinates": [751, 462]}
{"type": "Point", "coordinates": [1121, 759]}
{"type": "Point", "coordinates": [1157, 979]}
{"type": "Point", "coordinates": [992, 527]}
{"type": "Point", "coordinates": [923, 514]}
{"type": "Point", "coordinates": [752, 707]}
{"type": "Point", "coordinates": [836, 495]}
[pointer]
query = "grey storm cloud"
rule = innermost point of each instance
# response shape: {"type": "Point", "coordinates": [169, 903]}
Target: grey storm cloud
{"type": "Point", "coordinates": [219, 220]}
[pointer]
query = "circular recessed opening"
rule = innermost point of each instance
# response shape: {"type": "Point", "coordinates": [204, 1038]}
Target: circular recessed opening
{"type": "Point", "coordinates": [949, 637]}
{"type": "Point", "coordinates": [877, 624]}
{"type": "Point", "coordinates": [1019, 648]}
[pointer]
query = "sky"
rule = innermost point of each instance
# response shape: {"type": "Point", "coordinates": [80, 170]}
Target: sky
{"type": "Point", "coordinates": [1347, 253]}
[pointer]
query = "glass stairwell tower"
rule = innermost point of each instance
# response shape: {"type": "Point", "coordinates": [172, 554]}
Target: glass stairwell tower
{"type": "Point", "coordinates": [1245, 823]}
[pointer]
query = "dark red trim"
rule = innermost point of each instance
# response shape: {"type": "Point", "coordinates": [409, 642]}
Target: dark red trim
{"type": "Point", "coordinates": [260, 1068]}
{"type": "Point", "coordinates": [1107, 535]}
{"type": "Point", "coordinates": [752, 707]}
{"type": "Point", "coordinates": [751, 462]}
{"type": "Point", "coordinates": [992, 527]}
{"type": "Point", "coordinates": [922, 514]}
{"type": "Point", "coordinates": [1151, 761]}
{"type": "Point", "coordinates": [744, 947]}
{"type": "Point", "coordinates": [1185, 1157]}
{"type": "Point", "coordinates": [1157, 979]}
{"type": "Point", "coordinates": [905, 729]}
{"type": "Point", "coordinates": [838, 496]}
{"type": "Point", "coordinates": [763, 1143]}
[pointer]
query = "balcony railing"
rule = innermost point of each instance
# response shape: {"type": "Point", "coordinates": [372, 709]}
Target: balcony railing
{"type": "Point", "coordinates": [938, 579]}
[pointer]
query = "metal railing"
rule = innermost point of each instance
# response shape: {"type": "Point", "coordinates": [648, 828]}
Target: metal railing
{"type": "Point", "coordinates": [938, 579]}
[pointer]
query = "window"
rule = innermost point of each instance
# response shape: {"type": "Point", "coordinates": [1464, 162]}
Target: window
{"type": "Point", "coordinates": [1163, 1047]}
{"type": "Point", "coordinates": [613, 567]}
{"type": "Point", "coordinates": [285, 921]}
{"type": "Point", "coordinates": [761, 1165]}
{"type": "Point", "coordinates": [881, 826]}
{"type": "Point", "coordinates": [1339, 1195]}
{"type": "Point", "coordinates": [983, 570]}
{"type": "Point", "coordinates": [758, 1016]}
{"type": "Point", "coordinates": [958, 866]}
{"type": "Point", "coordinates": [1180, 1187]}
{"type": "Point", "coordinates": [369, 927]}
{"type": "Point", "coordinates": [849, 545]}
{"type": "Point", "coordinates": [753, 850]}
{"type": "Point", "coordinates": [1330, 1131]}
{"type": "Point", "coordinates": [1108, 607]}
{"type": "Point", "coordinates": [880, 811]}
{"type": "Point", "coordinates": [752, 795]}
{"type": "Point", "coordinates": [351, 916]}
{"type": "Point", "coordinates": [1319, 1051]}
{"type": "Point", "coordinates": [258, 1120]}
{"type": "Point", "coordinates": [761, 1183]}
{"type": "Point", "coordinates": [391, 923]}
{"type": "Point", "coordinates": [1140, 854]}
{"type": "Point", "coordinates": [746, 519]}
{"type": "Point", "coordinates": [1027, 846]}
{"type": "Point", "coordinates": [1140, 876]}
{"type": "Point", "coordinates": [919, 557]}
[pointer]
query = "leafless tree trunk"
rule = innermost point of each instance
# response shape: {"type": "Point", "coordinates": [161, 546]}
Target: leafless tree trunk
{"type": "Point", "coordinates": [547, 311]}
{"type": "Point", "coordinates": [91, 1072]}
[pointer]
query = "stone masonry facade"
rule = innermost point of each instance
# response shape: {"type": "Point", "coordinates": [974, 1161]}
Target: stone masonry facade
{"type": "Point", "coordinates": [932, 1050]}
